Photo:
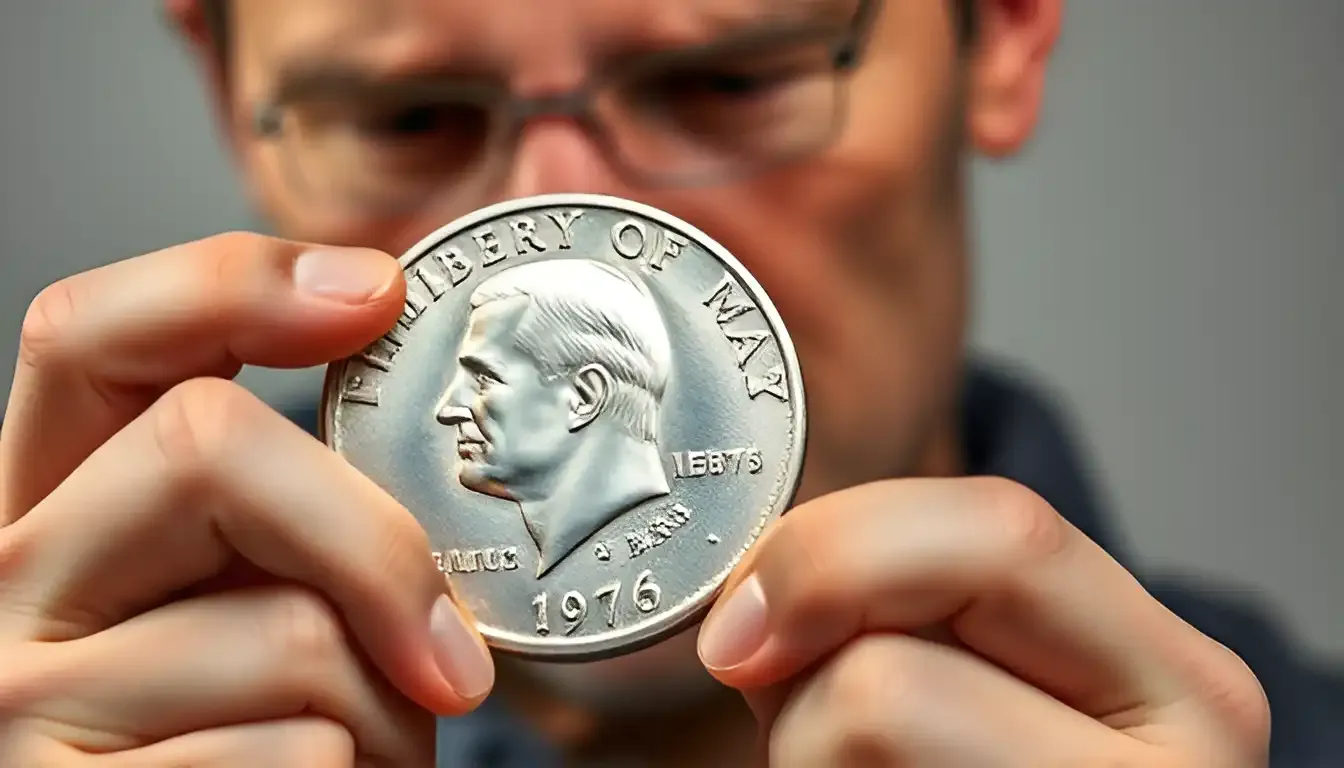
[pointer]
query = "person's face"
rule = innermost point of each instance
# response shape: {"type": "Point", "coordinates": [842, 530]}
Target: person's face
{"type": "Point", "coordinates": [513, 425]}
{"type": "Point", "coordinates": [861, 244]}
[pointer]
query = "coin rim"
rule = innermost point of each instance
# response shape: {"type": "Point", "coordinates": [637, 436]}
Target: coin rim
{"type": "Point", "coordinates": [691, 611]}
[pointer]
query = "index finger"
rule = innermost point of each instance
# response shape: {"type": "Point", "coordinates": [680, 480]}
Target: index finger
{"type": "Point", "coordinates": [987, 560]}
{"type": "Point", "coordinates": [98, 348]}
{"type": "Point", "coordinates": [207, 477]}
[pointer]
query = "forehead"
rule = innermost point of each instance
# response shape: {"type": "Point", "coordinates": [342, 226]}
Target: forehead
{"type": "Point", "coordinates": [492, 324]}
{"type": "Point", "coordinates": [394, 35]}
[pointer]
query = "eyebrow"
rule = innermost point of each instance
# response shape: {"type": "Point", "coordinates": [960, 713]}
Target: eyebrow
{"type": "Point", "coordinates": [325, 78]}
{"type": "Point", "coordinates": [792, 14]}
{"type": "Point", "coordinates": [477, 365]}
{"type": "Point", "coordinates": [796, 19]}
{"type": "Point", "coordinates": [840, 11]}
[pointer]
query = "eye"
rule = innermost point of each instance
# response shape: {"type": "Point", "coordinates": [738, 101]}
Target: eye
{"type": "Point", "coordinates": [726, 85]}
{"type": "Point", "coordinates": [730, 83]}
{"type": "Point", "coordinates": [732, 96]}
{"type": "Point", "coordinates": [405, 121]}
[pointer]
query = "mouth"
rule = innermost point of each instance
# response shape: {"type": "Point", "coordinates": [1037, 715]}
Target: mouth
{"type": "Point", "coordinates": [471, 444]}
{"type": "Point", "coordinates": [471, 450]}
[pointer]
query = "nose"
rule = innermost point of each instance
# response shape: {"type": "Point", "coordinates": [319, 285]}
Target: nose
{"type": "Point", "coordinates": [452, 411]}
{"type": "Point", "coordinates": [557, 155]}
{"type": "Point", "coordinates": [452, 415]}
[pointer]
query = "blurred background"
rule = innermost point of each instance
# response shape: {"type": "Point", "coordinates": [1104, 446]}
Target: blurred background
{"type": "Point", "coordinates": [1167, 255]}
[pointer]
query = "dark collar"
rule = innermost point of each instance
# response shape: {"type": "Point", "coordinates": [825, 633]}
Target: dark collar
{"type": "Point", "coordinates": [1014, 428]}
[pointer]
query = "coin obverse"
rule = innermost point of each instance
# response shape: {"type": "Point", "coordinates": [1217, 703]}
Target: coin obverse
{"type": "Point", "coordinates": [592, 409]}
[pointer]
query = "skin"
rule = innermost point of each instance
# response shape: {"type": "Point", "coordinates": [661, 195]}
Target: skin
{"type": "Point", "coordinates": [186, 578]}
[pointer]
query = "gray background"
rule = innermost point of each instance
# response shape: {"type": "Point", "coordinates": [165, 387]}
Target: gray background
{"type": "Point", "coordinates": [1165, 255]}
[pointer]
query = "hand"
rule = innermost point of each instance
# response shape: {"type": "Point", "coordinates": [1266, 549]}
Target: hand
{"type": "Point", "coordinates": [186, 578]}
{"type": "Point", "coordinates": [964, 622]}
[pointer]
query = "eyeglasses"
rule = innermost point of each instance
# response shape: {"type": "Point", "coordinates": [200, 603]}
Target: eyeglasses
{"type": "Point", "coordinates": [684, 117]}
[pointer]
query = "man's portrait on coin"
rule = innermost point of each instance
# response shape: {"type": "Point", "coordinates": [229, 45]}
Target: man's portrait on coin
{"type": "Point", "coordinates": [561, 376]}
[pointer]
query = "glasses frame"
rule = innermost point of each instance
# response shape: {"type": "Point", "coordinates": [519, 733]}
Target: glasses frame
{"type": "Point", "coordinates": [577, 105]}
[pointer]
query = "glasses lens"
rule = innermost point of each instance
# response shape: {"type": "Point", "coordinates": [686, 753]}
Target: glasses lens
{"type": "Point", "coordinates": [388, 152]}
{"type": "Point", "coordinates": [710, 113]}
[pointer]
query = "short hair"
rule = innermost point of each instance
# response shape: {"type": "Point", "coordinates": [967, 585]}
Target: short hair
{"type": "Point", "coordinates": [581, 312]}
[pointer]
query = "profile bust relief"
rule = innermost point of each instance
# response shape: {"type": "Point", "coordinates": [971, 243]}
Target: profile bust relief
{"type": "Point", "coordinates": [561, 375]}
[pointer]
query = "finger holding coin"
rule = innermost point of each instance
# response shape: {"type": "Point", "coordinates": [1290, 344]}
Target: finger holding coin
{"type": "Point", "coordinates": [205, 667]}
{"type": "Point", "coordinates": [99, 347]}
{"type": "Point", "coordinates": [136, 485]}
{"type": "Point", "coordinates": [222, 478]}
{"type": "Point", "coordinates": [965, 621]}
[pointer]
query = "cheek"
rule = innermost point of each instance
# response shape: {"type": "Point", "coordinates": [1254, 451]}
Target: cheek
{"type": "Point", "coordinates": [492, 405]}
{"type": "Point", "coordinates": [529, 420]}
{"type": "Point", "coordinates": [298, 214]}
{"type": "Point", "coordinates": [296, 218]}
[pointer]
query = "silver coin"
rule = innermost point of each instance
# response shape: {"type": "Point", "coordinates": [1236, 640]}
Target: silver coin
{"type": "Point", "coordinates": [593, 410]}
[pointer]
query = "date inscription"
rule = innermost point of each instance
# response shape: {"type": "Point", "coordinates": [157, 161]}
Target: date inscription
{"type": "Point", "coordinates": [645, 595]}
{"type": "Point", "coordinates": [686, 464]}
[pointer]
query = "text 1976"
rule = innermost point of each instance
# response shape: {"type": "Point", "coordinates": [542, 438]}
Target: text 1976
{"type": "Point", "coordinates": [646, 595]}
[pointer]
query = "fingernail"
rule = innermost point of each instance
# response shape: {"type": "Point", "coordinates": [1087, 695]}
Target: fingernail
{"type": "Point", "coordinates": [348, 275]}
{"type": "Point", "coordinates": [462, 660]}
{"type": "Point", "coordinates": [737, 629]}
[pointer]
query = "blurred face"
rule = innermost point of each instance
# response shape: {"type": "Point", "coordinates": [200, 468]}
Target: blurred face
{"type": "Point", "coordinates": [513, 424]}
{"type": "Point", "coordinates": [852, 216]}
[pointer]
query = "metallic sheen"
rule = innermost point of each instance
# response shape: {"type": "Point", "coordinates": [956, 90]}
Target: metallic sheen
{"type": "Point", "coordinates": [593, 410]}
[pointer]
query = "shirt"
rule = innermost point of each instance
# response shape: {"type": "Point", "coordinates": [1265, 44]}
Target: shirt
{"type": "Point", "coordinates": [1010, 428]}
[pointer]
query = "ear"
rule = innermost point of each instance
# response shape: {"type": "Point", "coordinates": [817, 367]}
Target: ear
{"type": "Point", "coordinates": [187, 18]}
{"type": "Point", "coordinates": [1007, 64]}
{"type": "Point", "coordinates": [592, 388]}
